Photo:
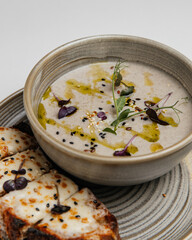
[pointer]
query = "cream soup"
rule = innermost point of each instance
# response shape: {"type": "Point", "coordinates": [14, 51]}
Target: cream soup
{"type": "Point", "coordinates": [88, 90]}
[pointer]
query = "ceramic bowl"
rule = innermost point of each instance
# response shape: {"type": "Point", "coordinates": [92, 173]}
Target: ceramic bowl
{"type": "Point", "coordinates": [101, 169]}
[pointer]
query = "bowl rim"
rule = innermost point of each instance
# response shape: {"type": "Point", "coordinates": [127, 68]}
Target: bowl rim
{"type": "Point", "coordinates": [100, 159]}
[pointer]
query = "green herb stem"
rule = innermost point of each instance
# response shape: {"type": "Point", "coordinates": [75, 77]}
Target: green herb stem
{"type": "Point", "coordinates": [114, 100]}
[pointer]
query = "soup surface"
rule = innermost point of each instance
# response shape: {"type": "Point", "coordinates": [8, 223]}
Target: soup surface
{"type": "Point", "coordinates": [79, 109]}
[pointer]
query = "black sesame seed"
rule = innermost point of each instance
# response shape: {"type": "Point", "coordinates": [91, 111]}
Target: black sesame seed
{"type": "Point", "coordinates": [84, 119]}
{"type": "Point", "coordinates": [58, 181]}
{"type": "Point", "coordinates": [51, 219]}
{"type": "Point", "coordinates": [17, 141]}
{"type": "Point", "coordinates": [77, 216]}
{"type": "Point", "coordinates": [61, 220]}
{"type": "Point", "coordinates": [64, 140]}
{"type": "Point", "coordinates": [71, 142]}
{"type": "Point", "coordinates": [95, 201]}
{"type": "Point", "coordinates": [103, 85]}
{"type": "Point", "coordinates": [5, 172]}
{"type": "Point", "coordinates": [92, 143]}
{"type": "Point", "coordinates": [100, 108]}
{"type": "Point", "coordinates": [137, 99]}
{"type": "Point", "coordinates": [57, 132]}
{"type": "Point", "coordinates": [112, 106]}
{"type": "Point", "coordinates": [123, 123]}
{"type": "Point", "coordinates": [95, 145]}
{"type": "Point", "coordinates": [75, 203]}
{"type": "Point", "coordinates": [12, 158]}
{"type": "Point", "coordinates": [101, 91]}
{"type": "Point", "coordinates": [44, 226]}
{"type": "Point", "coordinates": [48, 205]}
{"type": "Point", "coordinates": [93, 139]}
{"type": "Point", "coordinates": [3, 138]}
{"type": "Point", "coordinates": [55, 196]}
{"type": "Point", "coordinates": [103, 79]}
{"type": "Point", "coordinates": [145, 118]}
{"type": "Point", "coordinates": [37, 209]}
{"type": "Point", "coordinates": [100, 134]}
{"type": "Point", "coordinates": [30, 169]}
{"type": "Point", "coordinates": [82, 135]}
{"type": "Point", "coordinates": [102, 137]}
{"type": "Point", "coordinates": [133, 119]}
{"type": "Point", "coordinates": [32, 215]}
{"type": "Point", "coordinates": [32, 157]}
{"type": "Point", "coordinates": [92, 150]}
{"type": "Point", "coordinates": [86, 145]}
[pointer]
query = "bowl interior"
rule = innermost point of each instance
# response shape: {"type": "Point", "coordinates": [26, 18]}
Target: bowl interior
{"type": "Point", "coordinates": [105, 48]}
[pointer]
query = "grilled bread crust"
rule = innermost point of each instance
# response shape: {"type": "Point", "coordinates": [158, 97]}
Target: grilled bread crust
{"type": "Point", "coordinates": [40, 234]}
{"type": "Point", "coordinates": [14, 225]}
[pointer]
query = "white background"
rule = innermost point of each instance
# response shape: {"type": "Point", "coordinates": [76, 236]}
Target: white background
{"type": "Point", "coordinates": [29, 29]}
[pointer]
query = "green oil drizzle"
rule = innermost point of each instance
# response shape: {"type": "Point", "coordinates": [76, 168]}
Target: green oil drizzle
{"type": "Point", "coordinates": [150, 132]}
{"type": "Point", "coordinates": [42, 117]}
{"type": "Point", "coordinates": [132, 149]}
{"type": "Point", "coordinates": [82, 88]}
{"type": "Point", "coordinates": [169, 120]}
{"type": "Point", "coordinates": [155, 147]}
{"type": "Point", "coordinates": [46, 93]}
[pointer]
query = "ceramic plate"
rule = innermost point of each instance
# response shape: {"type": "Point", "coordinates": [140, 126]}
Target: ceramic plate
{"type": "Point", "coordinates": [160, 209]}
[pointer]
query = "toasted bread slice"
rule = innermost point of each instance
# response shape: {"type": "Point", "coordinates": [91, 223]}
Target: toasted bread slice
{"type": "Point", "coordinates": [32, 162]}
{"type": "Point", "coordinates": [86, 218]}
{"type": "Point", "coordinates": [13, 140]}
{"type": "Point", "coordinates": [25, 208]}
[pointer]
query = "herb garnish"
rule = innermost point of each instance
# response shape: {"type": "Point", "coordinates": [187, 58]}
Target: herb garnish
{"type": "Point", "coordinates": [120, 103]}
{"type": "Point", "coordinates": [58, 208]}
{"type": "Point", "coordinates": [124, 152]}
{"type": "Point", "coordinates": [64, 111]}
{"type": "Point", "coordinates": [18, 183]}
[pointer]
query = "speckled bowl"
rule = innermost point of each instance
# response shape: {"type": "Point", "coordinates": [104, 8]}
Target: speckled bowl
{"type": "Point", "coordinates": [93, 168]}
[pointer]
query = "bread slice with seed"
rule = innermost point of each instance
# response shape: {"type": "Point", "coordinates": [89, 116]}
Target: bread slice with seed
{"type": "Point", "coordinates": [13, 140]}
{"type": "Point", "coordinates": [24, 208]}
{"type": "Point", "coordinates": [86, 218]}
{"type": "Point", "coordinates": [32, 164]}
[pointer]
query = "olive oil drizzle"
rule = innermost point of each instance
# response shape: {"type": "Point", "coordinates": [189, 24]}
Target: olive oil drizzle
{"type": "Point", "coordinates": [155, 147]}
{"type": "Point", "coordinates": [150, 132]}
{"type": "Point", "coordinates": [78, 130]}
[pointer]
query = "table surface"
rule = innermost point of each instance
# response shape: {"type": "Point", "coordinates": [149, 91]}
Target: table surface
{"type": "Point", "coordinates": [30, 29]}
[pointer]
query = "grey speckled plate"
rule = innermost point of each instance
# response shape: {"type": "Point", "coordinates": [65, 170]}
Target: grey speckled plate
{"type": "Point", "coordinates": [160, 209]}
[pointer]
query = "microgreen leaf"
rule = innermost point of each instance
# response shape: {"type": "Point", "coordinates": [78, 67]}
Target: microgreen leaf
{"type": "Point", "coordinates": [118, 78]}
{"type": "Point", "coordinates": [121, 103]}
{"type": "Point", "coordinates": [153, 116]}
{"type": "Point", "coordinates": [124, 151]}
{"type": "Point", "coordinates": [66, 111]}
{"type": "Point", "coordinates": [123, 116]}
{"type": "Point", "coordinates": [109, 130]}
{"type": "Point", "coordinates": [127, 91]}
